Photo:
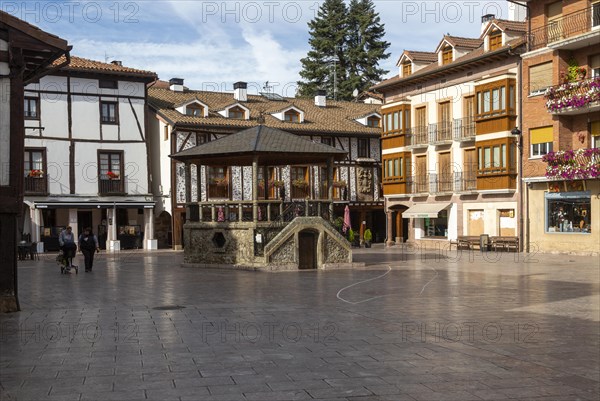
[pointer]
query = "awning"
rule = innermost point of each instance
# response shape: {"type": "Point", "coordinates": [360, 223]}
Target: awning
{"type": "Point", "coordinates": [423, 210]}
{"type": "Point", "coordinates": [91, 204]}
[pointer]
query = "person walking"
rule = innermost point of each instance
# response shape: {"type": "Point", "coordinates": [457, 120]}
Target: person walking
{"type": "Point", "coordinates": [88, 244]}
{"type": "Point", "coordinates": [66, 240]}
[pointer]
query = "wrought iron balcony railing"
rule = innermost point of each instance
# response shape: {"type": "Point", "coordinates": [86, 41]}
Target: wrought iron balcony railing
{"type": "Point", "coordinates": [568, 26]}
{"type": "Point", "coordinates": [573, 95]}
{"type": "Point", "coordinates": [419, 135]}
{"type": "Point", "coordinates": [440, 132]}
{"type": "Point", "coordinates": [465, 182]}
{"type": "Point", "coordinates": [35, 185]}
{"type": "Point", "coordinates": [464, 129]}
{"type": "Point", "coordinates": [111, 186]}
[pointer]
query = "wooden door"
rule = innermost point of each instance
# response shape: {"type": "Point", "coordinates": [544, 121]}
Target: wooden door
{"type": "Point", "coordinates": [421, 174]}
{"type": "Point", "coordinates": [307, 250]}
{"type": "Point", "coordinates": [475, 224]}
{"type": "Point", "coordinates": [420, 129]}
{"type": "Point", "coordinates": [445, 172]}
{"type": "Point", "coordinates": [507, 222]}
{"type": "Point", "coordinates": [470, 169]}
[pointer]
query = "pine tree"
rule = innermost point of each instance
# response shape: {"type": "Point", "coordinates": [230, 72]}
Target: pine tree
{"type": "Point", "coordinates": [345, 42]}
{"type": "Point", "coordinates": [328, 31]}
{"type": "Point", "coordinates": [366, 47]}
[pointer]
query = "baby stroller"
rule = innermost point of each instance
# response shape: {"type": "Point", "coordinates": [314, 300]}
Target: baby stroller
{"type": "Point", "coordinates": [65, 259]}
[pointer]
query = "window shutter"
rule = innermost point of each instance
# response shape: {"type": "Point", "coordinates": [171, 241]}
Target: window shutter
{"type": "Point", "coordinates": [595, 128]}
{"type": "Point", "coordinates": [540, 77]}
{"type": "Point", "coordinates": [541, 135]}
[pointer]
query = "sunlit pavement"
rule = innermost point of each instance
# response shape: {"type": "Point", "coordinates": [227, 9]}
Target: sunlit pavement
{"type": "Point", "coordinates": [412, 325]}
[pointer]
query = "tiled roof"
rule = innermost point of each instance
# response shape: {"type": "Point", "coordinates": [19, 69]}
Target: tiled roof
{"type": "Point", "coordinates": [336, 117]}
{"type": "Point", "coordinates": [472, 55]}
{"type": "Point", "coordinates": [430, 57]}
{"type": "Point", "coordinates": [506, 25]}
{"type": "Point", "coordinates": [457, 41]}
{"type": "Point", "coordinates": [33, 31]}
{"type": "Point", "coordinates": [83, 64]}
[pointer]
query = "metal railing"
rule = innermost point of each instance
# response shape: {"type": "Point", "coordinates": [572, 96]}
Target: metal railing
{"type": "Point", "coordinates": [464, 129]}
{"type": "Point", "coordinates": [568, 26]}
{"type": "Point", "coordinates": [441, 183]}
{"type": "Point", "coordinates": [419, 135]}
{"type": "Point", "coordinates": [465, 181]}
{"type": "Point", "coordinates": [440, 132]}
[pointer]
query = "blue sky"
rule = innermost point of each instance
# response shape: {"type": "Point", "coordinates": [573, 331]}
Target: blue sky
{"type": "Point", "coordinates": [212, 44]}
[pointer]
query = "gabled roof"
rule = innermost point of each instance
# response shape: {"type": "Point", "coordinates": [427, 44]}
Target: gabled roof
{"type": "Point", "coordinates": [335, 118]}
{"type": "Point", "coordinates": [86, 65]}
{"type": "Point", "coordinates": [457, 41]}
{"type": "Point", "coordinates": [270, 145]}
{"type": "Point", "coordinates": [418, 57]}
{"type": "Point", "coordinates": [505, 26]}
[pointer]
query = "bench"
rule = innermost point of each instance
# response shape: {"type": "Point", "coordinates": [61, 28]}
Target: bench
{"type": "Point", "coordinates": [466, 241]}
{"type": "Point", "coordinates": [505, 243]}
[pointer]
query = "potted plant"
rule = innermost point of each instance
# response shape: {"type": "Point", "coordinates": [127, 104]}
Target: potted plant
{"type": "Point", "coordinates": [368, 236]}
{"type": "Point", "coordinates": [277, 183]}
{"type": "Point", "coordinates": [300, 183]}
{"type": "Point", "coordinates": [351, 238]}
{"type": "Point", "coordinates": [112, 175]}
{"type": "Point", "coordinates": [36, 173]}
{"type": "Point", "coordinates": [339, 184]}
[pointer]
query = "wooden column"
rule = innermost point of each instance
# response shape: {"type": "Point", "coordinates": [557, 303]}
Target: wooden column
{"type": "Point", "coordinates": [390, 233]}
{"type": "Point", "coordinates": [255, 189]}
{"type": "Point", "coordinates": [330, 186]}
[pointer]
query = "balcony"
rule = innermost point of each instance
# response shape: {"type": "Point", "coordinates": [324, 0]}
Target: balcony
{"type": "Point", "coordinates": [419, 185]}
{"type": "Point", "coordinates": [573, 164]}
{"type": "Point", "coordinates": [419, 137]}
{"type": "Point", "coordinates": [440, 133]}
{"type": "Point", "coordinates": [465, 182]}
{"type": "Point", "coordinates": [573, 31]}
{"type": "Point", "coordinates": [35, 185]}
{"type": "Point", "coordinates": [464, 129]}
{"type": "Point", "coordinates": [111, 186]}
{"type": "Point", "coordinates": [441, 184]}
{"type": "Point", "coordinates": [574, 98]}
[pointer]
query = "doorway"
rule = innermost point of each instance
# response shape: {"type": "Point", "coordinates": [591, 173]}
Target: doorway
{"type": "Point", "coordinates": [307, 250]}
{"type": "Point", "coordinates": [84, 219]}
{"type": "Point", "coordinates": [400, 226]}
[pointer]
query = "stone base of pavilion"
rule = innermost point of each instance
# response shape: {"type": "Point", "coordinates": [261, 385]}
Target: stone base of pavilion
{"type": "Point", "coordinates": [304, 243]}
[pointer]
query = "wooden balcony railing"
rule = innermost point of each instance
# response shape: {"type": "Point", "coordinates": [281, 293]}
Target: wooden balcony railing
{"type": "Point", "coordinates": [568, 26]}
{"type": "Point", "coordinates": [35, 185]}
{"type": "Point", "coordinates": [111, 186]}
{"type": "Point", "coordinates": [464, 129]}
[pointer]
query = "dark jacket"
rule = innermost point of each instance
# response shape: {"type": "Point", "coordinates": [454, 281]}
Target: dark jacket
{"type": "Point", "coordinates": [89, 242]}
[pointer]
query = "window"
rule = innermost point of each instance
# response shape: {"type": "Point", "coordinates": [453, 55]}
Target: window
{"type": "Point", "coordinates": [406, 68]}
{"type": "Point", "coordinates": [166, 133]}
{"type": "Point", "coordinates": [447, 55]}
{"type": "Point", "coordinates": [237, 113]}
{"type": "Point", "coordinates": [339, 186]}
{"type": "Point", "coordinates": [540, 78]}
{"type": "Point", "coordinates": [373, 122]}
{"type": "Point", "coordinates": [596, 14]}
{"type": "Point", "coordinates": [35, 171]}
{"type": "Point", "coordinates": [395, 120]}
{"type": "Point", "coordinates": [109, 112]}
{"type": "Point", "coordinates": [393, 169]}
{"type": "Point", "coordinates": [299, 177]}
{"type": "Point", "coordinates": [194, 110]}
{"type": "Point", "coordinates": [568, 212]}
{"type": "Point", "coordinates": [218, 182]}
{"type": "Point", "coordinates": [31, 110]}
{"type": "Point", "coordinates": [110, 165]}
{"type": "Point", "coordinates": [363, 147]}
{"type": "Point", "coordinates": [541, 141]}
{"type": "Point", "coordinates": [438, 226]}
{"type": "Point", "coordinates": [493, 101]}
{"type": "Point", "coordinates": [495, 40]}
{"type": "Point", "coordinates": [496, 157]}
{"type": "Point", "coordinates": [291, 116]}
{"type": "Point", "coordinates": [595, 61]}
{"type": "Point", "coordinates": [595, 131]}
{"type": "Point", "coordinates": [327, 140]}
{"type": "Point", "coordinates": [108, 84]}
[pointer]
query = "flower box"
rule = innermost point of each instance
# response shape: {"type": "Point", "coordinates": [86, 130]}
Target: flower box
{"type": "Point", "coordinates": [573, 164]}
{"type": "Point", "coordinates": [572, 95]}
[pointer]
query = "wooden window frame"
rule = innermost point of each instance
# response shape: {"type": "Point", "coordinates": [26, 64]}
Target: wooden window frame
{"type": "Point", "coordinates": [108, 84]}
{"type": "Point", "coordinates": [212, 187]}
{"type": "Point", "coordinates": [364, 147]}
{"type": "Point", "coordinates": [104, 120]}
{"type": "Point", "coordinates": [388, 117]}
{"type": "Point", "coordinates": [291, 116]}
{"type": "Point", "coordinates": [507, 103]}
{"type": "Point", "coordinates": [42, 184]}
{"type": "Point", "coordinates": [299, 193]}
{"type": "Point", "coordinates": [121, 178]}
{"type": "Point", "coordinates": [327, 140]}
{"type": "Point", "coordinates": [36, 100]}
{"type": "Point", "coordinates": [495, 40]}
{"type": "Point", "coordinates": [194, 106]}
{"type": "Point", "coordinates": [406, 69]}
{"type": "Point", "coordinates": [447, 53]}
{"type": "Point", "coordinates": [507, 161]}
{"type": "Point", "coordinates": [166, 132]}
{"type": "Point", "coordinates": [370, 120]}
{"type": "Point", "coordinates": [239, 113]}
{"type": "Point", "coordinates": [394, 162]}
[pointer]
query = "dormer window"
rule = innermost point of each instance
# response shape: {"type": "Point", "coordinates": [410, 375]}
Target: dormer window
{"type": "Point", "coordinates": [374, 122]}
{"type": "Point", "coordinates": [495, 39]}
{"type": "Point", "coordinates": [406, 68]}
{"type": "Point", "coordinates": [446, 55]}
{"type": "Point", "coordinates": [291, 116]}
{"type": "Point", "coordinates": [237, 113]}
{"type": "Point", "coordinates": [194, 110]}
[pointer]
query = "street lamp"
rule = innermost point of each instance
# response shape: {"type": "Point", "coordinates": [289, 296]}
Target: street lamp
{"type": "Point", "coordinates": [516, 132]}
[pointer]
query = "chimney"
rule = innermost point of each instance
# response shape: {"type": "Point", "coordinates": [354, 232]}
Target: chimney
{"type": "Point", "coordinates": [117, 62]}
{"type": "Point", "coordinates": [485, 19]}
{"type": "Point", "coordinates": [240, 91]}
{"type": "Point", "coordinates": [320, 98]}
{"type": "Point", "coordinates": [176, 84]}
